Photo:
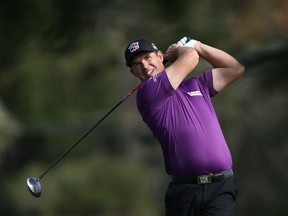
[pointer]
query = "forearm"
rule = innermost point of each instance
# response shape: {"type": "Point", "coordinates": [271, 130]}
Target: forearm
{"type": "Point", "coordinates": [183, 59]}
{"type": "Point", "coordinates": [226, 68]}
{"type": "Point", "coordinates": [216, 57]}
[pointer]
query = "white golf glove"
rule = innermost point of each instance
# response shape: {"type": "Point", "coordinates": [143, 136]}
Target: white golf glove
{"type": "Point", "coordinates": [186, 41]}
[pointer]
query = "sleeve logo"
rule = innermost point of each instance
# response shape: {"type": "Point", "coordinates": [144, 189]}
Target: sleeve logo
{"type": "Point", "coordinates": [194, 93]}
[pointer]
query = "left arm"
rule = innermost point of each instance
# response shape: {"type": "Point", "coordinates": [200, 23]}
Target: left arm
{"type": "Point", "coordinates": [226, 69]}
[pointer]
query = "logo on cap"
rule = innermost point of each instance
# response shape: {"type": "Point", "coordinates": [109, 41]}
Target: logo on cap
{"type": "Point", "coordinates": [154, 46]}
{"type": "Point", "coordinates": [134, 46]}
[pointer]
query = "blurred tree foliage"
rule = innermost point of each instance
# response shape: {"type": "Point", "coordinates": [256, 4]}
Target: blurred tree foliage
{"type": "Point", "coordinates": [62, 68]}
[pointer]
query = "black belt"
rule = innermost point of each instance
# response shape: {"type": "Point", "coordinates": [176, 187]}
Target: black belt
{"type": "Point", "coordinates": [203, 179]}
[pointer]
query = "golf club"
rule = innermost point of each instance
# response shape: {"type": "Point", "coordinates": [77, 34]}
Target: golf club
{"type": "Point", "coordinates": [34, 183]}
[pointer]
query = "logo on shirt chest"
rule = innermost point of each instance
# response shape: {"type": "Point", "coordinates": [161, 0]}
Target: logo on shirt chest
{"type": "Point", "coordinates": [194, 93]}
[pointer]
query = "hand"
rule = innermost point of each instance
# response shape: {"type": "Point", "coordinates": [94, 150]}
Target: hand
{"type": "Point", "coordinates": [186, 41]}
{"type": "Point", "coordinates": [183, 41]}
{"type": "Point", "coordinates": [171, 53]}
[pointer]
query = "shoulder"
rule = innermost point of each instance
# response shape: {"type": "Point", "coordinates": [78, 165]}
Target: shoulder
{"type": "Point", "coordinates": [155, 89]}
{"type": "Point", "coordinates": [160, 80]}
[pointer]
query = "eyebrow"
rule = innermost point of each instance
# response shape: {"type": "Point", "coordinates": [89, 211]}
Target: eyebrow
{"type": "Point", "coordinates": [144, 55]}
{"type": "Point", "coordinates": [138, 55]}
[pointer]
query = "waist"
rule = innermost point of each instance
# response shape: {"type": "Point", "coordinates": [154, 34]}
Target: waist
{"type": "Point", "coordinates": [203, 179]}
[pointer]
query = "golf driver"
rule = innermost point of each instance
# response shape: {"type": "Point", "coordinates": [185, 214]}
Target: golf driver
{"type": "Point", "coordinates": [34, 183]}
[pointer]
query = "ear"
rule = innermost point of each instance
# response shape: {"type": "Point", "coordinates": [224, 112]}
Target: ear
{"type": "Point", "coordinates": [160, 56]}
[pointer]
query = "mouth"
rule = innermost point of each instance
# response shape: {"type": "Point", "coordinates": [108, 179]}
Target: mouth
{"type": "Point", "coordinates": [150, 73]}
{"type": "Point", "coordinates": [147, 73]}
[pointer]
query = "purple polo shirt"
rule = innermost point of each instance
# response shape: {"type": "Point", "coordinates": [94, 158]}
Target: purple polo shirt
{"type": "Point", "coordinates": [185, 123]}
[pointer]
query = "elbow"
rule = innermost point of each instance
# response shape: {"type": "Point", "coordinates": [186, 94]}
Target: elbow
{"type": "Point", "coordinates": [240, 70]}
{"type": "Point", "coordinates": [194, 56]}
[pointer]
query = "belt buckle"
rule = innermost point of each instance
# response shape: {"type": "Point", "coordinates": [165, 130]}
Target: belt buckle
{"type": "Point", "coordinates": [204, 179]}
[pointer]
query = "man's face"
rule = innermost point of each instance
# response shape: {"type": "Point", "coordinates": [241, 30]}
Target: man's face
{"type": "Point", "coordinates": [146, 64]}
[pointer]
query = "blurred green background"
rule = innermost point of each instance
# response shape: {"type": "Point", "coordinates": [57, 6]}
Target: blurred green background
{"type": "Point", "coordinates": [62, 68]}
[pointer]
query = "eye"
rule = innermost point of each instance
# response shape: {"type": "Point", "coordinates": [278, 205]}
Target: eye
{"type": "Point", "coordinates": [147, 57]}
{"type": "Point", "coordinates": [134, 64]}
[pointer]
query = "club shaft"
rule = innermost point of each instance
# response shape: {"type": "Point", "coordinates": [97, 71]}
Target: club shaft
{"type": "Point", "coordinates": [88, 132]}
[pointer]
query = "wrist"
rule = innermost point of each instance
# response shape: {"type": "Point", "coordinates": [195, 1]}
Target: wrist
{"type": "Point", "coordinates": [191, 43]}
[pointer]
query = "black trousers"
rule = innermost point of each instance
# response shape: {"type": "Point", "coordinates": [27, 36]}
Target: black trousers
{"type": "Point", "coordinates": [215, 199]}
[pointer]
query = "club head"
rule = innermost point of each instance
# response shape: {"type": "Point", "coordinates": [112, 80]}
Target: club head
{"type": "Point", "coordinates": [34, 186]}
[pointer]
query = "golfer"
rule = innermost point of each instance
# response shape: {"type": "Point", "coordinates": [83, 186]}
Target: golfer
{"type": "Point", "coordinates": [178, 110]}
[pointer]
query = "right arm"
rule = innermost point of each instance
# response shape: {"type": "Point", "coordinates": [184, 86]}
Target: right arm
{"type": "Point", "coordinates": [184, 60]}
{"type": "Point", "coordinates": [226, 69]}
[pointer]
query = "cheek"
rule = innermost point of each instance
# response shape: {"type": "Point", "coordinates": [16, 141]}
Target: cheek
{"type": "Point", "coordinates": [135, 72]}
{"type": "Point", "coordinates": [159, 66]}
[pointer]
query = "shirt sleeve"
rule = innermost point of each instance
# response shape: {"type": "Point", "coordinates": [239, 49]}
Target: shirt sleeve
{"type": "Point", "coordinates": [206, 80]}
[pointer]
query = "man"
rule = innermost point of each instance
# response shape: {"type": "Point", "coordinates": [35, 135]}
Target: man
{"type": "Point", "coordinates": [180, 114]}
